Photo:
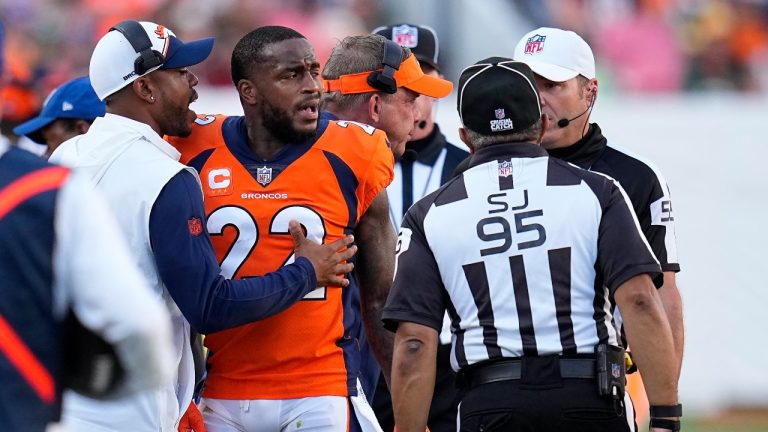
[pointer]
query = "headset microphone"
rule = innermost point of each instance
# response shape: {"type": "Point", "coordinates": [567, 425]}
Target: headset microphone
{"type": "Point", "coordinates": [564, 122]}
{"type": "Point", "coordinates": [422, 124]}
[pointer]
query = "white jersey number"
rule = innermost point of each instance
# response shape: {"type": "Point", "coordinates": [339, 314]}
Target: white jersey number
{"type": "Point", "coordinates": [366, 128]}
{"type": "Point", "coordinates": [248, 235]}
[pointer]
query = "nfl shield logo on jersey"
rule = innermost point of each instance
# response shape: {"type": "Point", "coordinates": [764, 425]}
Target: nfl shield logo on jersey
{"type": "Point", "coordinates": [405, 35]}
{"type": "Point", "coordinates": [499, 113]}
{"type": "Point", "coordinates": [534, 44]}
{"type": "Point", "coordinates": [195, 226]}
{"type": "Point", "coordinates": [505, 168]}
{"type": "Point", "coordinates": [264, 175]}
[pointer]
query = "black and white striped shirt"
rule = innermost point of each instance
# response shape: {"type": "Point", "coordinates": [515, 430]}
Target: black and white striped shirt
{"type": "Point", "coordinates": [641, 180]}
{"type": "Point", "coordinates": [435, 163]}
{"type": "Point", "coordinates": [524, 251]}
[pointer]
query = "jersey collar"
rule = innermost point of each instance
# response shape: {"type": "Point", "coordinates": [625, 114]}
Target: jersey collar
{"type": "Point", "coordinates": [507, 150]}
{"type": "Point", "coordinates": [585, 151]}
{"type": "Point", "coordinates": [429, 147]}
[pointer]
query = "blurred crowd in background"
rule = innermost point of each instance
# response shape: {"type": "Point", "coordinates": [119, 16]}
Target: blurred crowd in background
{"type": "Point", "coordinates": [641, 45]}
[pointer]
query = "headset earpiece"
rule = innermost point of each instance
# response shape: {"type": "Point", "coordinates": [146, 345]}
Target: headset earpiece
{"type": "Point", "coordinates": [137, 37]}
{"type": "Point", "coordinates": [384, 80]}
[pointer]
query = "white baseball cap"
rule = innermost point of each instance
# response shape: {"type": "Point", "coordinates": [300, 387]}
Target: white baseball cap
{"type": "Point", "coordinates": [557, 55]}
{"type": "Point", "coordinates": [132, 49]}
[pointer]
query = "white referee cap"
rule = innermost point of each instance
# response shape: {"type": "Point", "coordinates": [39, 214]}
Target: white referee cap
{"type": "Point", "coordinates": [557, 55]}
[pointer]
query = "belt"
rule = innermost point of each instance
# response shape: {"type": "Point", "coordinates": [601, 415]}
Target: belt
{"type": "Point", "coordinates": [506, 370]}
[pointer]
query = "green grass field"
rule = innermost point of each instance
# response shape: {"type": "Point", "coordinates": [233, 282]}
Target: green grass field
{"type": "Point", "coordinates": [735, 420]}
{"type": "Point", "coordinates": [696, 426]}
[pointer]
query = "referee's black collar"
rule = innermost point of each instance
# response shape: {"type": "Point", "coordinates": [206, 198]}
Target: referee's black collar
{"type": "Point", "coordinates": [507, 150]}
{"type": "Point", "coordinates": [585, 151]}
{"type": "Point", "coordinates": [429, 147]}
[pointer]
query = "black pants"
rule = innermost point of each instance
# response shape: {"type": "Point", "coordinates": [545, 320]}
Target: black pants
{"type": "Point", "coordinates": [539, 403]}
{"type": "Point", "coordinates": [442, 412]}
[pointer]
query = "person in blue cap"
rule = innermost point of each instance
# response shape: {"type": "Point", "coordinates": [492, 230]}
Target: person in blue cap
{"type": "Point", "coordinates": [67, 112]}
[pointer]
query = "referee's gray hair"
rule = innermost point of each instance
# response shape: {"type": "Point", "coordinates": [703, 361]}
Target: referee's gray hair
{"type": "Point", "coordinates": [355, 54]}
{"type": "Point", "coordinates": [530, 134]}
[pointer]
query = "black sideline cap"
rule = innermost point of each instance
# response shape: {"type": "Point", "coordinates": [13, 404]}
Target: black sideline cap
{"type": "Point", "coordinates": [422, 40]}
{"type": "Point", "coordinates": [497, 96]}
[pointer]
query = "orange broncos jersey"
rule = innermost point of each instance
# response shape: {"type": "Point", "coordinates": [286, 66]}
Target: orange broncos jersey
{"type": "Point", "coordinates": [327, 185]}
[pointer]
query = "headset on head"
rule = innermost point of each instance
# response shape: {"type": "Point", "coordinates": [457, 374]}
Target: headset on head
{"type": "Point", "coordinates": [384, 80]}
{"type": "Point", "coordinates": [137, 37]}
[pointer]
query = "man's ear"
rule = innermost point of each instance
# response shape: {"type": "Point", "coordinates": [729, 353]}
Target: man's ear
{"type": "Point", "coordinates": [82, 126]}
{"type": "Point", "coordinates": [466, 139]}
{"type": "Point", "coordinates": [374, 108]}
{"type": "Point", "coordinates": [248, 92]}
{"type": "Point", "coordinates": [593, 90]}
{"type": "Point", "coordinates": [145, 88]}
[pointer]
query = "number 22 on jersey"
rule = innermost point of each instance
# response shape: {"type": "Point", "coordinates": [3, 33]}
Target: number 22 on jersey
{"type": "Point", "coordinates": [247, 235]}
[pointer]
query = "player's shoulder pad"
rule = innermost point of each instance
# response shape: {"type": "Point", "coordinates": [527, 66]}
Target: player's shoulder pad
{"type": "Point", "coordinates": [355, 143]}
{"type": "Point", "coordinates": [339, 132]}
{"type": "Point", "coordinates": [206, 134]}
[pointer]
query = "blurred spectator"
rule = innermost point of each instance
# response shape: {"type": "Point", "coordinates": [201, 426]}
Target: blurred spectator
{"type": "Point", "coordinates": [724, 40]}
{"type": "Point", "coordinates": [642, 51]}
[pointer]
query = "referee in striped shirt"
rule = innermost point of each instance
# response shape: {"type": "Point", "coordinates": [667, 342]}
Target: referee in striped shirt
{"type": "Point", "coordinates": [529, 255]}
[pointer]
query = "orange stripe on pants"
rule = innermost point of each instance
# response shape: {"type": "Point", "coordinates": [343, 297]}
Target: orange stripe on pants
{"type": "Point", "coordinates": [26, 363]}
{"type": "Point", "coordinates": [30, 185]}
{"type": "Point", "coordinates": [17, 352]}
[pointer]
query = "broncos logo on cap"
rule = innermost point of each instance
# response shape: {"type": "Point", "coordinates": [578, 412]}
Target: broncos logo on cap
{"type": "Point", "coordinates": [160, 31]}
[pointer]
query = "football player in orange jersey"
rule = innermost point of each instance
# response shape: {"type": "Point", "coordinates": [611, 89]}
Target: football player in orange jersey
{"type": "Point", "coordinates": [281, 161]}
{"type": "Point", "coordinates": [373, 80]}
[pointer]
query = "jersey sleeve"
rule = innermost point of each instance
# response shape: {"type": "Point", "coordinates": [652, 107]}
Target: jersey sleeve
{"type": "Point", "coordinates": [365, 150]}
{"type": "Point", "coordinates": [623, 251]}
{"type": "Point", "coordinates": [661, 231]}
{"type": "Point", "coordinates": [418, 294]}
{"type": "Point", "coordinates": [380, 172]}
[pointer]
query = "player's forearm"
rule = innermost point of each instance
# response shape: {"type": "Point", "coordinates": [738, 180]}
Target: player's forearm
{"type": "Point", "coordinates": [650, 337]}
{"type": "Point", "coordinates": [413, 376]}
{"type": "Point", "coordinates": [673, 307]}
{"type": "Point", "coordinates": [380, 339]}
{"type": "Point", "coordinates": [375, 276]}
{"type": "Point", "coordinates": [212, 303]}
{"type": "Point", "coordinates": [375, 269]}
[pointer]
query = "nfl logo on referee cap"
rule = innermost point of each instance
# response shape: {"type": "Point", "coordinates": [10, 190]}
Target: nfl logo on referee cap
{"type": "Point", "coordinates": [405, 35]}
{"type": "Point", "coordinates": [264, 175]}
{"type": "Point", "coordinates": [535, 44]}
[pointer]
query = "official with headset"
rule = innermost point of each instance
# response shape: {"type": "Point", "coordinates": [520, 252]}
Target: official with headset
{"type": "Point", "coordinates": [530, 275]}
{"type": "Point", "coordinates": [428, 162]}
{"type": "Point", "coordinates": [564, 68]}
{"type": "Point", "coordinates": [375, 81]}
